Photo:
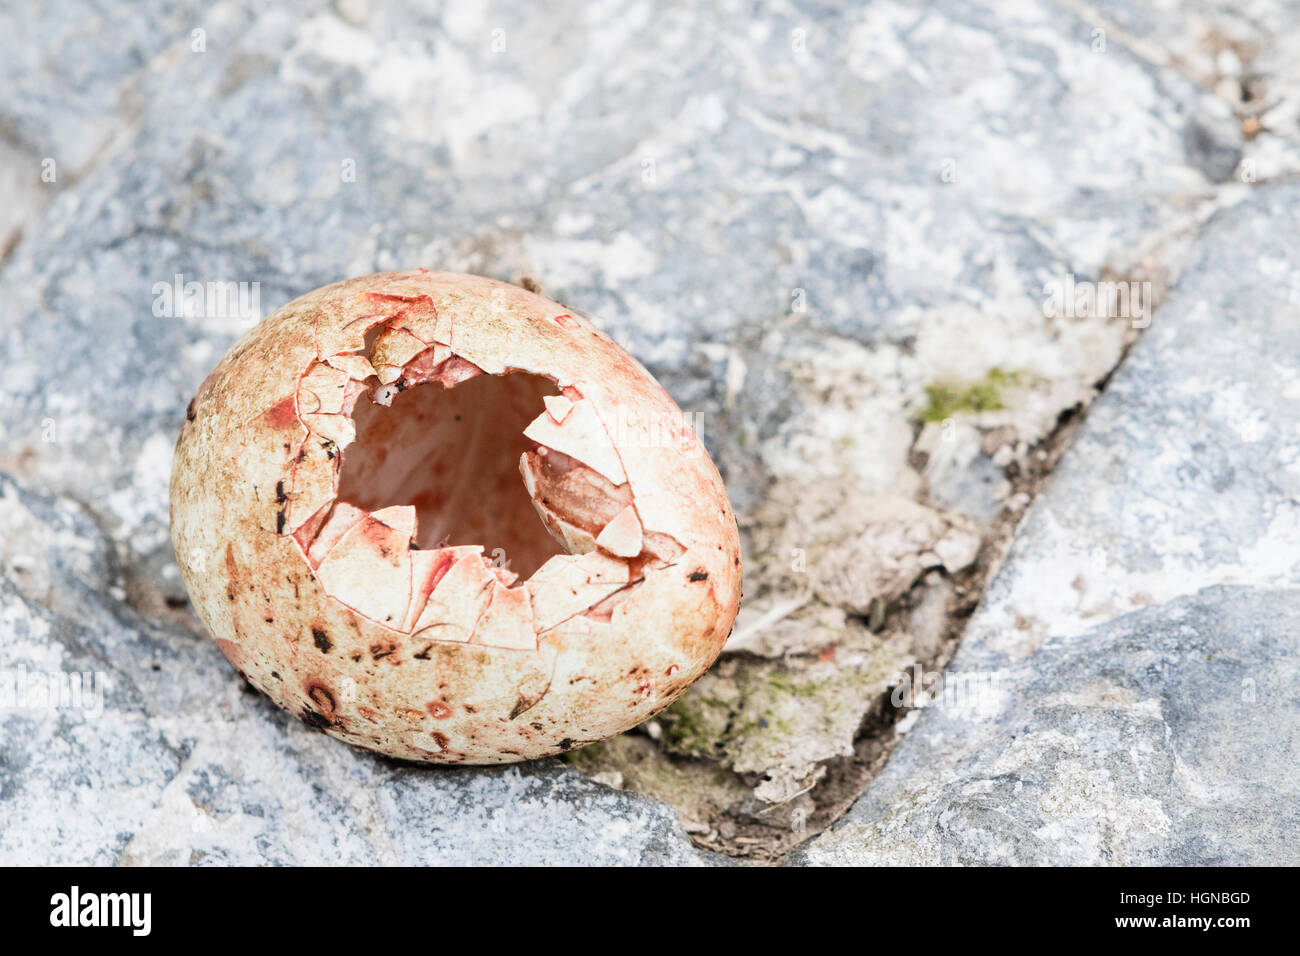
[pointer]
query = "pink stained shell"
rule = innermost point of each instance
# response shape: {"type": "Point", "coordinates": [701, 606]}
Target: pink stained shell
{"type": "Point", "coordinates": [443, 518]}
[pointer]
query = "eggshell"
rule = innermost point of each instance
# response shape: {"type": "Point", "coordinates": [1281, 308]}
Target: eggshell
{"type": "Point", "coordinates": [444, 518]}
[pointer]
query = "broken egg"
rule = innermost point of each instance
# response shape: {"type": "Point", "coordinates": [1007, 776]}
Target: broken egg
{"type": "Point", "coordinates": [443, 518]}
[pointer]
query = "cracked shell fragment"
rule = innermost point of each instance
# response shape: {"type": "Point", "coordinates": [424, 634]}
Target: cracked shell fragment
{"type": "Point", "coordinates": [433, 515]}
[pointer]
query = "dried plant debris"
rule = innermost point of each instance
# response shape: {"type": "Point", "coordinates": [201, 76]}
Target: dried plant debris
{"type": "Point", "coordinates": [861, 569]}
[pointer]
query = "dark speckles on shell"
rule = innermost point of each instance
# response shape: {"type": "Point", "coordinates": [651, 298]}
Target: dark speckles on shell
{"type": "Point", "coordinates": [313, 719]}
{"type": "Point", "coordinates": [322, 640]}
{"type": "Point", "coordinates": [322, 697]}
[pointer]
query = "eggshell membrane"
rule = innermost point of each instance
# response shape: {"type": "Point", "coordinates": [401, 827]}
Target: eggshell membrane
{"type": "Point", "coordinates": [474, 667]}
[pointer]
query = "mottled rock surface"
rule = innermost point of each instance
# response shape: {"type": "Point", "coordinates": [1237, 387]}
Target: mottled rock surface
{"type": "Point", "coordinates": [148, 749]}
{"type": "Point", "coordinates": [1127, 693]}
{"type": "Point", "coordinates": [828, 232]}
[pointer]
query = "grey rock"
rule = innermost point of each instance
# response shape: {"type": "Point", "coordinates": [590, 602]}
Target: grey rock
{"type": "Point", "coordinates": [125, 740]}
{"type": "Point", "coordinates": [1214, 144]}
{"type": "Point", "coordinates": [1161, 738]}
{"type": "Point", "coordinates": [1142, 642]}
{"type": "Point", "coordinates": [70, 69]}
{"type": "Point", "coordinates": [683, 209]}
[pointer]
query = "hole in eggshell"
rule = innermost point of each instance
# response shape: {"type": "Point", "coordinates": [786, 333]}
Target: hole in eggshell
{"type": "Point", "coordinates": [436, 499]}
{"type": "Point", "coordinates": [453, 454]}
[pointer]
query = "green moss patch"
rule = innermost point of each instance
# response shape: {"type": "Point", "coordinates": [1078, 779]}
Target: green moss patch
{"type": "Point", "coordinates": [946, 399]}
